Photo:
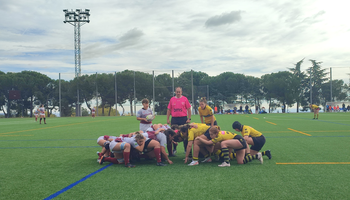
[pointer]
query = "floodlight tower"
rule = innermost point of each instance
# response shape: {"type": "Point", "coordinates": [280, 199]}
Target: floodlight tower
{"type": "Point", "coordinates": [77, 18]}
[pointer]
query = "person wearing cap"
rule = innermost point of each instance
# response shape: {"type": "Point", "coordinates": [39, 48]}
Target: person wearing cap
{"type": "Point", "coordinates": [253, 137]}
{"type": "Point", "coordinates": [180, 110]}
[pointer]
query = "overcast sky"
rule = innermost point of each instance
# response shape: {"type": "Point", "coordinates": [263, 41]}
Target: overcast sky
{"type": "Point", "coordinates": [250, 37]}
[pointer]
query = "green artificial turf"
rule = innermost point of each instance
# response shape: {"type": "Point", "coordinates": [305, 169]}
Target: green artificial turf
{"type": "Point", "coordinates": [39, 160]}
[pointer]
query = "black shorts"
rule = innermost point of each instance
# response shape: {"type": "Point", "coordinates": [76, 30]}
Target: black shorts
{"type": "Point", "coordinates": [146, 145]}
{"type": "Point", "coordinates": [258, 143]}
{"type": "Point", "coordinates": [242, 141]}
{"type": "Point", "coordinates": [178, 120]}
{"type": "Point", "coordinates": [207, 134]}
{"type": "Point", "coordinates": [215, 123]}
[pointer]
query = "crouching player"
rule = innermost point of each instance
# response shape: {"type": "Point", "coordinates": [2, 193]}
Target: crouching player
{"type": "Point", "coordinates": [163, 136]}
{"type": "Point", "coordinates": [118, 147]}
{"type": "Point", "coordinates": [191, 131]}
{"type": "Point", "coordinates": [148, 146]}
{"type": "Point", "coordinates": [253, 137]}
{"type": "Point", "coordinates": [230, 141]}
{"type": "Point", "coordinates": [101, 141]}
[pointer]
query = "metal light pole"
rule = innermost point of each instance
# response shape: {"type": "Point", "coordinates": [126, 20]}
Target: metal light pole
{"type": "Point", "coordinates": [59, 94]}
{"type": "Point", "coordinates": [330, 74]}
{"type": "Point", "coordinates": [154, 95]}
{"type": "Point", "coordinates": [310, 86]}
{"type": "Point", "coordinates": [193, 101]}
{"type": "Point", "coordinates": [77, 18]}
{"type": "Point", "coordinates": [135, 99]}
{"type": "Point", "coordinates": [115, 94]}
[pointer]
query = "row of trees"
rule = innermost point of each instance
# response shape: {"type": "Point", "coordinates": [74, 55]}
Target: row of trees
{"type": "Point", "coordinates": [281, 88]}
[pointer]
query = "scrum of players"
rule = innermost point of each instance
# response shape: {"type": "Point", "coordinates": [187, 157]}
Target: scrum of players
{"type": "Point", "coordinates": [203, 142]}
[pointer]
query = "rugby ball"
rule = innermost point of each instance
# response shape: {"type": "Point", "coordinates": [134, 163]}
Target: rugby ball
{"type": "Point", "coordinates": [150, 118]}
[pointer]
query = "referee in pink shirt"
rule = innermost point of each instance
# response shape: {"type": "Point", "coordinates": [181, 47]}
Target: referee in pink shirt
{"type": "Point", "coordinates": [180, 110]}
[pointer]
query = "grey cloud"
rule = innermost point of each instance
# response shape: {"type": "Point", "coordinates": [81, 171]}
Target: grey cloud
{"type": "Point", "coordinates": [294, 15]}
{"type": "Point", "coordinates": [132, 34]}
{"type": "Point", "coordinates": [314, 18]}
{"type": "Point", "coordinates": [129, 39]}
{"type": "Point", "coordinates": [225, 18]}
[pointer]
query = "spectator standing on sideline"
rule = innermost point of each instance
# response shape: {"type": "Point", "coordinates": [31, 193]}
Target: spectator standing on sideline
{"type": "Point", "coordinates": [256, 109]}
{"type": "Point", "coordinates": [180, 110]}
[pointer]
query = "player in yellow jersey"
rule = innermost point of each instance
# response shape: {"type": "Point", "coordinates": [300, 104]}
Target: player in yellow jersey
{"type": "Point", "coordinates": [316, 109]}
{"type": "Point", "coordinates": [201, 147]}
{"type": "Point", "coordinates": [228, 141]}
{"type": "Point", "coordinates": [253, 137]}
{"type": "Point", "coordinates": [206, 112]}
{"type": "Point", "coordinates": [191, 131]}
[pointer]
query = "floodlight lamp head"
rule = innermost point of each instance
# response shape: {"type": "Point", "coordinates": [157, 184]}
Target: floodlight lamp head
{"type": "Point", "coordinates": [65, 10]}
{"type": "Point", "coordinates": [87, 10]}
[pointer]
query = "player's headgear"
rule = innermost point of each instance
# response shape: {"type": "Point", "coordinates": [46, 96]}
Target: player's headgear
{"type": "Point", "coordinates": [106, 145]}
{"type": "Point", "coordinates": [236, 125]}
{"type": "Point", "coordinates": [106, 137]}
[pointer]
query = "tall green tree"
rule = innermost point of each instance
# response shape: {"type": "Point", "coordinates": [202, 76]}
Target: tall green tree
{"type": "Point", "coordinates": [281, 86]}
{"type": "Point", "coordinates": [105, 86]}
{"type": "Point", "coordinates": [163, 92]}
{"type": "Point", "coordinates": [301, 82]}
{"type": "Point", "coordinates": [227, 86]}
{"type": "Point", "coordinates": [69, 97]}
{"type": "Point", "coordinates": [315, 78]}
{"type": "Point", "coordinates": [185, 81]}
{"type": "Point", "coordinates": [87, 89]}
{"type": "Point", "coordinates": [254, 89]}
{"type": "Point", "coordinates": [125, 81]}
{"type": "Point", "coordinates": [338, 91]}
